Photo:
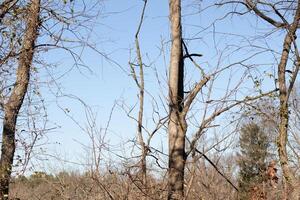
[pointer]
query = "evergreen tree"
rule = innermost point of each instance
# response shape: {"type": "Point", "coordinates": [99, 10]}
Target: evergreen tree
{"type": "Point", "coordinates": [252, 162]}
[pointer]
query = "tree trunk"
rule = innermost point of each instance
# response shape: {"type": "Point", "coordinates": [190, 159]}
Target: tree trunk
{"type": "Point", "coordinates": [177, 124]}
{"type": "Point", "coordinates": [15, 101]}
{"type": "Point", "coordinates": [140, 82]}
{"type": "Point", "coordinates": [284, 109]}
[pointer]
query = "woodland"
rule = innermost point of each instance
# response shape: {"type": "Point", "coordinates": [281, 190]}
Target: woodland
{"type": "Point", "coordinates": [194, 100]}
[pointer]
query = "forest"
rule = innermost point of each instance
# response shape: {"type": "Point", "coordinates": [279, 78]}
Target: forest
{"type": "Point", "coordinates": [149, 100]}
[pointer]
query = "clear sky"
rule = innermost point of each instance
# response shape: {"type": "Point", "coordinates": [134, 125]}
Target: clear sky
{"type": "Point", "coordinates": [113, 33]}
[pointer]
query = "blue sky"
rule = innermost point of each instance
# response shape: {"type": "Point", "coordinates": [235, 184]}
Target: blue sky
{"type": "Point", "coordinates": [113, 34]}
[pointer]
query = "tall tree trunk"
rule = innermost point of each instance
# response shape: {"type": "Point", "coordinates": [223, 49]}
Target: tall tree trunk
{"type": "Point", "coordinates": [15, 101]}
{"type": "Point", "coordinates": [140, 82]}
{"type": "Point", "coordinates": [284, 93]}
{"type": "Point", "coordinates": [177, 124]}
{"type": "Point", "coordinates": [141, 86]}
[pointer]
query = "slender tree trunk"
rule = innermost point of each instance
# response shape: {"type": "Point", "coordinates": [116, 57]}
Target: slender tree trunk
{"type": "Point", "coordinates": [284, 93]}
{"type": "Point", "coordinates": [141, 86]}
{"type": "Point", "coordinates": [143, 161]}
{"type": "Point", "coordinates": [140, 82]}
{"type": "Point", "coordinates": [177, 124]}
{"type": "Point", "coordinates": [15, 101]}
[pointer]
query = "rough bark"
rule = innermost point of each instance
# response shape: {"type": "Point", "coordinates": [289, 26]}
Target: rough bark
{"type": "Point", "coordinates": [12, 107]}
{"type": "Point", "coordinates": [284, 109]}
{"type": "Point", "coordinates": [177, 124]}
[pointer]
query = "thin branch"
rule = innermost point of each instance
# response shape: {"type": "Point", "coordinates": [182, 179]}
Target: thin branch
{"type": "Point", "coordinates": [5, 7]}
{"type": "Point", "coordinates": [252, 6]}
{"type": "Point", "coordinates": [217, 113]}
{"type": "Point", "coordinates": [193, 94]}
{"type": "Point", "coordinates": [216, 168]}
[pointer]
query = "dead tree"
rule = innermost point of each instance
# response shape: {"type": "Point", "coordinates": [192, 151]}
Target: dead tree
{"type": "Point", "coordinates": [177, 125]}
{"type": "Point", "coordinates": [140, 82]}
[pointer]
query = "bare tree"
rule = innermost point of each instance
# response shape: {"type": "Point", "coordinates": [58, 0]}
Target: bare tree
{"type": "Point", "coordinates": [140, 82]}
{"type": "Point", "coordinates": [177, 124]}
{"type": "Point", "coordinates": [284, 94]}
{"type": "Point", "coordinates": [180, 105]}
{"type": "Point", "coordinates": [15, 101]}
{"type": "Point", "coordinates": [281, 15]}
{"type": "Point", "coordinates": [58, 30]}
{"type": "Point", "coordinates": [285, 89]}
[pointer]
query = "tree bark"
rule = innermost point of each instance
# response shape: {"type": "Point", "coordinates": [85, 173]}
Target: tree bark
{"type": "Point", "coordinates": [177, 124]}
{"type": "Point", "coordinates": [12, 107]}
{"type": "Point", "coordinates": [284, 108]}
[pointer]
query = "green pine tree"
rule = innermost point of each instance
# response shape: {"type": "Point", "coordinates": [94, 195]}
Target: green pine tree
{"type": "Point", "coordinates": [252, 161]}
